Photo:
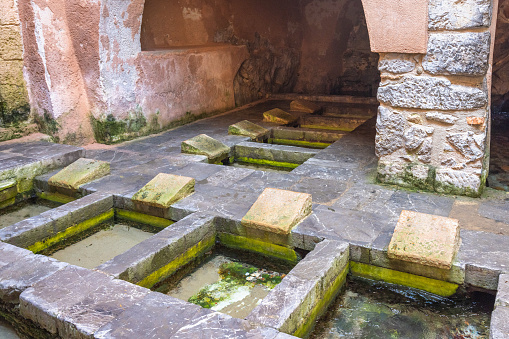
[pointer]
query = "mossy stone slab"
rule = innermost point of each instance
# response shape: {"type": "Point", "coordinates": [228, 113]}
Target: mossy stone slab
{"type": "Point", "coordinates": [164, 190]}
{"type": "Point", "coordinates": [305, 106]}
{"type": "Point", "coordinates": [278, 116]}
{"type": "Point", "coordinates": [249, 129]}
{"type": "Point", "coordinates": [425, 239]}
{"type": "Point", "coordinates": [79, 173]}
{"type": "Point", "coordinates": [278, 211]}
{"type": "Point", "coordinates": [8, 190]}
{"type": "Point", "coordinates": [202, 144]}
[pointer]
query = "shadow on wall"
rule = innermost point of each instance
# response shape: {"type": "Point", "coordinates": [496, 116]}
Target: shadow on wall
{"type": "Point", "coordinates": [307, 46]}
{"type": "Point", "coordinates": [500, 87]}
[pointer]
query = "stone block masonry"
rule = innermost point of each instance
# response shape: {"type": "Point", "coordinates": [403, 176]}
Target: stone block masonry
{"type": "Point", "coordinates": [433, 119]}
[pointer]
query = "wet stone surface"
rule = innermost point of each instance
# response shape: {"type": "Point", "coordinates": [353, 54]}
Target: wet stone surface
{"type": "Point", "coordinates": [370, 309]}
{"type": "Point", "coordinates": [225, 282]}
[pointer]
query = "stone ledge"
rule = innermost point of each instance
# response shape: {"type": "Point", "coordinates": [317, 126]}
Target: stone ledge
{"type": "Point", "coordinates": [202, 144]}
{"type": "Point", "coordinates": [249, 129]}
{"type": "Point", "coordinates": [425, 239]}
{"type": "Point", "coordinates": [164, 190]}
{"type": "Point", "coordinates": [278, 211]}
{"type": "Point", "coordinates": [79, 173]}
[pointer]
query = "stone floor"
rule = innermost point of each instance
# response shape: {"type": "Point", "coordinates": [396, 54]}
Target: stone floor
{"type": "Point", "coordinates": [347, 203]}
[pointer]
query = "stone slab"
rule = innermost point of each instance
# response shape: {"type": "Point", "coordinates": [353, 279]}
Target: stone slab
{"type": "Point", "coordinates": [503, 291]}
{"type": "Point", "coordinates": [278, 211]}
{"type": "Point", "coordinates": [270, 152]}
{"type": "Point", "coordinates": [278, 116]}
{"type": "Point", "coordinates": [499, 326]}
{"type": "Point", "coordinates": [305, 106]}
{"type": "Point", "coordinates": [80, 172]}
{"type": "Point", "coordinates": [165, 189]}
{"type": "Point", "coordinates": [202, 144]}
{"type": "Point", "coordinates": [75, 302]}
{"type": "Point", "coordinates": [249, 129]}
{"type": "Point", "coordinates": [425, 239]}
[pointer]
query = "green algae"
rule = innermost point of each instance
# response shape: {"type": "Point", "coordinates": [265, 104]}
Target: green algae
{"type": "Point", "coordinates": [71, 231]}
{"type": "Point", "coordinates": [55, 197]}
{"type": "Point", "coordinates": [261, 247]}
{"type": "Point", "coordinates": [330, 128]}
{"type": "Point", "coordinates": [322, 305]}
{"type": "Point", "coordinates": [299, 143]}
{"type": "Point", "coordinates": [438, 287]}
{"type": "Point", "coordinates": [142, 218]}
{"type": "Point", "coordinates": [166, 271]}
{"type": "Point", "coordinates": [264, 162]}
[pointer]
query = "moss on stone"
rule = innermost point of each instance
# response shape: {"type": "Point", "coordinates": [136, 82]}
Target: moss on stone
{"type": "Point", "coordinates": [55, 197]}
{"type": "Point", "coordinates": [300, 143]}
{"type": "Point", "coordinates": [110, 130]}
{"type": "Point", "coordinates": [142, 218]}
{"type": "Point", "coordinates": [174, 265]}
{"type": "Point", "coordinates": [442, 288]}
{"type": "Point", "coordinates": [47, 125]}
{"type": "Point", "coordinates": [71, 231]}
{"type": "Point", "coordinates": [257, 246]}
{"type": "Point", "coordinates": [267, 162]}
{"type": "Point", "coordinates": [321, 306]}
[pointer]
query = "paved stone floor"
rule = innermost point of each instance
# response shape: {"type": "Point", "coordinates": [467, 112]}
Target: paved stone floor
{"type": "Point", "coordinates": [347, 203]}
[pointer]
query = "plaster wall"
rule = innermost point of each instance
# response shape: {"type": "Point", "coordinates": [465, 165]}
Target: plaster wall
{"type": "Point", "coordinates": [13, 93]}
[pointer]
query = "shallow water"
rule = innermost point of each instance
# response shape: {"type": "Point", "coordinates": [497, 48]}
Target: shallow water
{"type": "Point", "coordinates": [6, 331]}
{"type": "Point", "coordinates": [370, 309]}
{"type": "Point", "coordinates": [210, 287]}
{"type": "Point", "coordinates": [102, 246]}
{"type": "Point", "coordinates": [22, 211]}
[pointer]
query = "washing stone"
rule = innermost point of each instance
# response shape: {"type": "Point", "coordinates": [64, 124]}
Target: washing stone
{"type": "Point", "coordinates": [279, 116]}
{"type": "Point", "coordinates": [79, 173]}
{"type": "Point", "coordinates": [305, 106]}
{"type": "Point", "coordinates": [202, 144]}
{"type": "Point", "coordinates": [249, 129]}
{"type": "Point", "coordinates": [164, 190]}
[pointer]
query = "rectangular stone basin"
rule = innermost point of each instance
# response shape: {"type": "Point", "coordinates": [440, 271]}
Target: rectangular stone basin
{"type": "Point", "coordinates": [23, 210]}
{"type": "Point", "coordinates": [371, 309]}
{"type": "Point", "coordinates": [304, 137]}
{"type": "Point", "coordinates": [111, 239]}
{"type": "Point", "coordinates": [232, 282]}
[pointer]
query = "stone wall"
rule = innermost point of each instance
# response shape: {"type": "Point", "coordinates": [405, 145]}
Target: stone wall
{"type": "Point", "coordinates": [433, 121]}
{"type": "Point", "coordinates": [14, 106]}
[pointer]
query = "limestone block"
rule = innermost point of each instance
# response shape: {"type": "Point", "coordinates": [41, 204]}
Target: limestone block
{"type": "Point", "coordinates": [8, 190]}
{"type": "Point", "coordinates": [278, 211]}
{"type": "Point", "coordinates": [249, 129]}
{"type": "Point", "coordinates": [80, 172]}
{"type": "Point", "coordinates": [457, 181]}
{"type": "Point", "coordinates": [440, 117]}
{"type": "Point", "coordinates": [503, 291]}
{"type": "Point", "coordinates": [425, 239]}
{"type": "Point", "coordinates": [458, 54]}
{"type": "Point", "coordinates": [396, 63]}
{"type": "Point", "coordinates": [279, 116]}
{"type": "Point", "coordinates": [164, 190]}
{"type": "Point", "coordinates": [415, 135]}
{"type": "Point", "coordinates": [455, 15]}
{"type": "Point", "coordinates": [9, 12]}
{"type": "Point", "coordinates": [305, 106]}
{"type": "Point", "coordinates": [431, 93]}
{"type": "Point", "coordinates": [390, 128]}
{"type": "Point", "coordinates": [202, 144]}
{"type": "Point", "coordinates": [468, 144]}
{"type": "Point", "coordinates": [424, 154]}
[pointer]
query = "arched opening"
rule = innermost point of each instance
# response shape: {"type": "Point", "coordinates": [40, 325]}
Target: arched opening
{"type": "Point", "coordinates": [499, 155]}
{"type": "Point", "coordinates": [295, 46]}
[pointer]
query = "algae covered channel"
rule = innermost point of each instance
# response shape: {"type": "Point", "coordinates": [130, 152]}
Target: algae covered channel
{"type": "Point", "coordinates": [225, 280]}
{"type": "Point", "coordinates": [370, 309]}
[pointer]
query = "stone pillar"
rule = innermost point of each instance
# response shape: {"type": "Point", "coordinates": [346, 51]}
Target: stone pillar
{"type": "Point", "coordinates": [433, 120]}
{"type": "Point", "coordinates": [13, 93]}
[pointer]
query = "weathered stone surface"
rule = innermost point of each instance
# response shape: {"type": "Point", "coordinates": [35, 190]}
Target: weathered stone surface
{"type": "Point", "coordinates": [458, 54]}
{"type": "Point", "coordinates": [424, 154]}
{"type": "Point", "coordinates": [431, 93]}
{"type": "Point", "coordinates": [396, 63]}
{"type": "Point", "coordinates": [279, 153]}
{"type": "Point", "coordinates": [278, 211]}
{"type": "Point", "coordinates": [475, 121]}
{"type": "Point", "coordinates": [499, 326]}
{"type": "Point", "coordinates": [503, 291]}
{"type": "Point", "coordinates": [468, 144]}
{"type": "Point", "coordinates": [279, 116]}
{"type": "Point", "coordinates": [456, 15]}
{"type": "Point", "coordinates": [441, 117]}
{"type": "Point", "coordinates": [425, 239]}
{"type": "Point", "coordinates": [415, 135]}
{"type": "Point", "coordinates": [80, 172]}
{"type": "Point", "coordinates": [305, 106]}
{"type": "Point", "coordinates": [165, 189]}
{"type": "Point", "coordinates": [202, 144]}
{"type": "Point", "coordinates": [249, 129]}
{"type": "Point", "coordinates": [390, 128]}
{"type": "Point", "coordinates": [455, 181]}
{"type": "Point", "coordinates": [75, 302]}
